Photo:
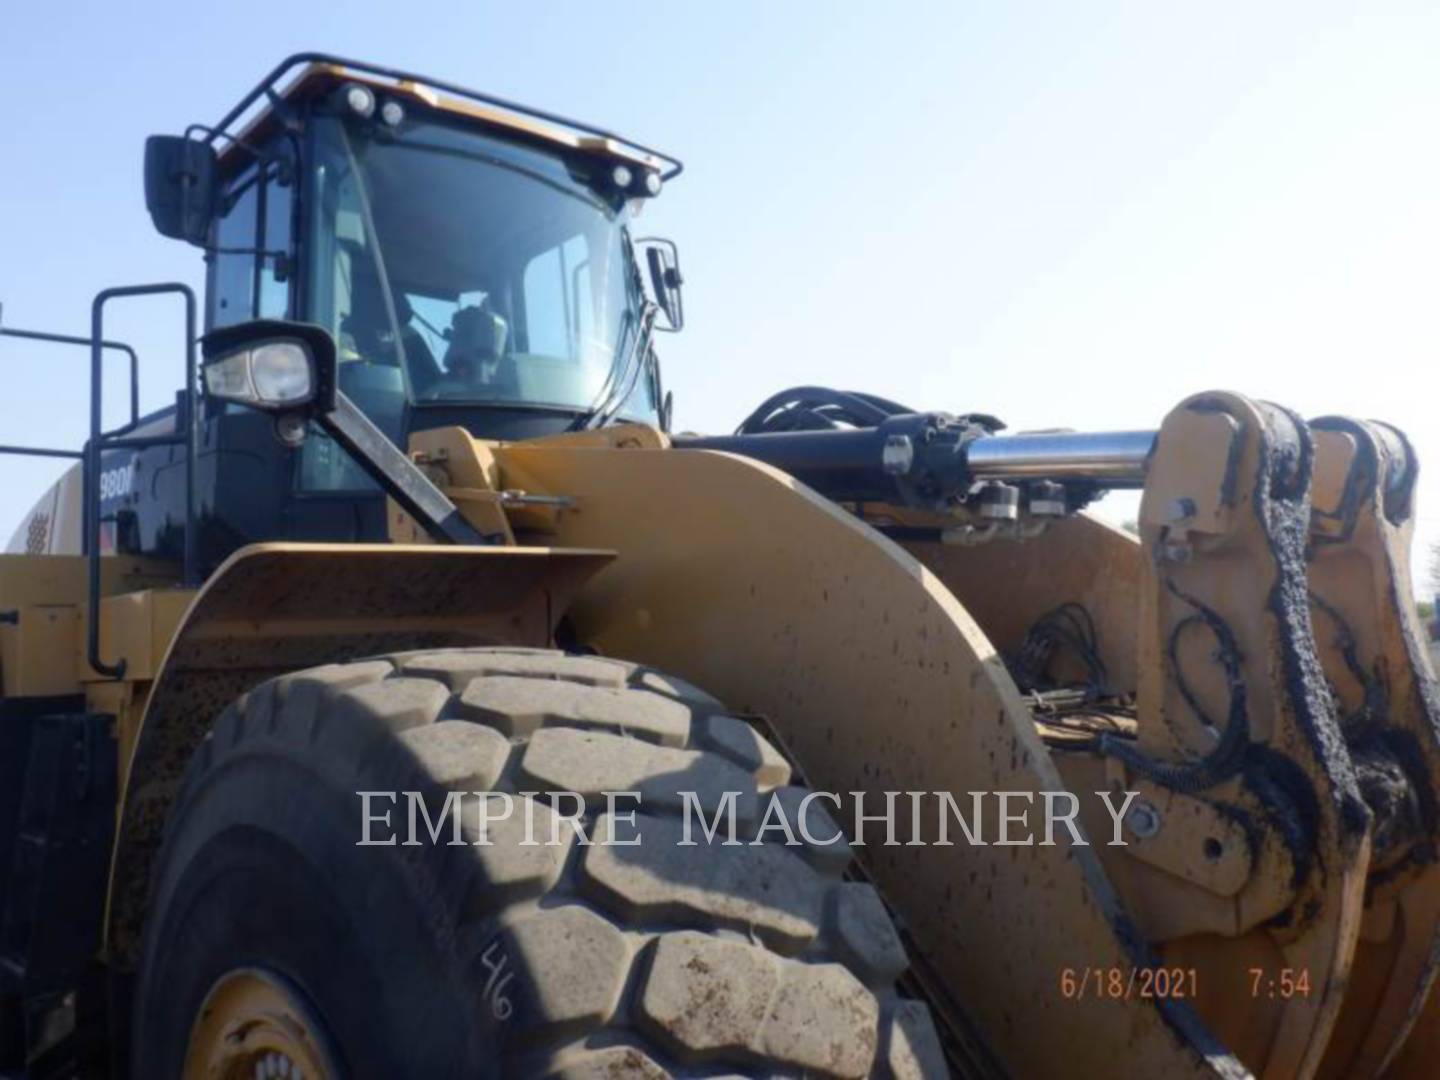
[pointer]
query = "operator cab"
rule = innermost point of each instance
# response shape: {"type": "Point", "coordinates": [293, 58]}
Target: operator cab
{"type": "Point", "coordinates": [474, 262]}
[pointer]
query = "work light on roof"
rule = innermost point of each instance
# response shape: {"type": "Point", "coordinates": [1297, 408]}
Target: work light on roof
{"type": "Point", "coordinates": [392, 113]}
{"type": "Point", "coordinates": [360, 100]}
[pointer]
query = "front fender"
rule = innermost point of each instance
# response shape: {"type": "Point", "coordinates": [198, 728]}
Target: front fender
{"type": "Point", "coordinates": [739, 578]}
{"type": "Point", "coordinates": [273, 608]}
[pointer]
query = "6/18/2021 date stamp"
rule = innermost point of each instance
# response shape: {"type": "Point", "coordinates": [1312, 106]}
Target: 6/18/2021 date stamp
{"type": "Point", "coordinates": [1123, 984]}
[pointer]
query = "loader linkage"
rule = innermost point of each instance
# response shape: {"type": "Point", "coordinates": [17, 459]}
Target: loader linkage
{"type": "Point", "coordinates": [1283, 738]}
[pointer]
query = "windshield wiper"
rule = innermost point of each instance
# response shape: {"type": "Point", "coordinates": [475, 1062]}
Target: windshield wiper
{"type": "Point", "coordinates": [618, 391]}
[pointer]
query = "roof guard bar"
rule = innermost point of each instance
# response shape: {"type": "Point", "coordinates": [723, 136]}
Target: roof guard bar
{"type": "Point", "coordinates": [267, 88]}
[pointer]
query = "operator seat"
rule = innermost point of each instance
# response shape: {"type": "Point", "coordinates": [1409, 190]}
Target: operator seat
{"type": "Point", "coordinates": [368, 326]}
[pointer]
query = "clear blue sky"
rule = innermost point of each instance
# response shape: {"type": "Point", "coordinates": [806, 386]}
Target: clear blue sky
{"type": "Point", "coordinates": [1065, 214]}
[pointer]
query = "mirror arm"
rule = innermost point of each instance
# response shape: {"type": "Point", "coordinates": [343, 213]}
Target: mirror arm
{"type": "Point", "coordinates": [269, 253]}
{"type": "Point", "coordinates": [283, 263]}
{"type": "Point", "coordinates": [249, 148]}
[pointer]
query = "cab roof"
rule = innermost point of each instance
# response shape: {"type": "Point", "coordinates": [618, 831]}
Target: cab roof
{"type": "Point", "coordinates": [309, 75]}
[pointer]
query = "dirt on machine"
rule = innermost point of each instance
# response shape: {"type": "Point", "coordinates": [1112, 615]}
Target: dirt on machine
{"type": "Point", "coordinates": [294, 672]}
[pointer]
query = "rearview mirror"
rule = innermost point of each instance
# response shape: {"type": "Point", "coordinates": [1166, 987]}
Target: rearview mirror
{"type": "Point", "coordinates": [180, 185]}
{"type": "Point", "coordinates": [662, 261]}
{"type": "Point", "coordinates": [272, 365]}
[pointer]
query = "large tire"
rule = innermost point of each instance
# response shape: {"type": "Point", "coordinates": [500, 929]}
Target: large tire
{"type": "Point", "coordinates": [511, 960]}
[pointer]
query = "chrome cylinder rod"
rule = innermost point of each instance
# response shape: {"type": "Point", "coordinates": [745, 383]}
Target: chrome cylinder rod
{"type": "Point", "coordinates": [1111, 459]}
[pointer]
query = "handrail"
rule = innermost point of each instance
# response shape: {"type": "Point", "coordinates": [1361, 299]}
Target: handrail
{"type": "Point", "coordinates": [70, 339]}
{"type": "Point", "coordinates": [41, 451]}
{"type": "Point", "coordinates": [96, 444]}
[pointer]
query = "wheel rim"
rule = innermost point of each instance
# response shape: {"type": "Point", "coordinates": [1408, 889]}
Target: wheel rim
{"type": "Point", "coordinates": [255, 1025]}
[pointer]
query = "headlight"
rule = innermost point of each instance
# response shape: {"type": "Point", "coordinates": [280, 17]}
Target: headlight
{"type": "Point", "coordinates": [282, 374]}
{"type": "Point", "coordinates": [272, 375]}
{"type": "Point", "coordinates": [230, 378]}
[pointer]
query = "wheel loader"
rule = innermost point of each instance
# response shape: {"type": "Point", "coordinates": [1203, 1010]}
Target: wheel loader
{"type": "Point", "coordinates": [417, 524]}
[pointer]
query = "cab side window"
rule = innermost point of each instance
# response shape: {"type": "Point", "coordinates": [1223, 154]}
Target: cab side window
{"type": "Point", "coordinates": [232, 280]}
{"type": "Point", "coordinates": [250, 231]}
{"type": "Point", "coordinates": [274, 281]}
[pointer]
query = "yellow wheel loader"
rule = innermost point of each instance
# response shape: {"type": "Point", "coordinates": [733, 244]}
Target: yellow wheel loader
{"type": "Point", "coordinates": [318, 688]}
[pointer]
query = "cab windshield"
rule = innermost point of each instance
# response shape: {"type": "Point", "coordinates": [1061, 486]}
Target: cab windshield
{"type": "Point", "coordinates": [454, 267]}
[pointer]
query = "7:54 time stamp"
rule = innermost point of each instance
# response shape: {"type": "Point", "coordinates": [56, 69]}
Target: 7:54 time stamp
{"type": "Point", "coordinates": [1281, 983]}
